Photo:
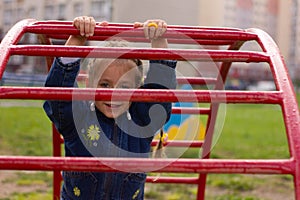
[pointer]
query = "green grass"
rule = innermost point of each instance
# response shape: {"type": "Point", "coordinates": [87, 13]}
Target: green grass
{"type": "Point", "coordinates": [252, 131]}
{"type": "Point", "coordinates": [249, 131]}
{"type": "Point", "coordinates": [30, 196]}
{"type": "Point", "coordinates": [24, 131]}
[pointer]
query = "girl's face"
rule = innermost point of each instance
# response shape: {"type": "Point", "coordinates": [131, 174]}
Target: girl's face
{"type": "Point", "coordinates": [121, 76]}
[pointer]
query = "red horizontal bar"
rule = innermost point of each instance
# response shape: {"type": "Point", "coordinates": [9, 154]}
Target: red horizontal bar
{"type": "Point", "coordinates": [141, 95]}
{"type": "Point", "coordinates": [142, 53]}
{"type": "Point", "coordinates": [183, 180]}
{"type": "Point", "coordinates": [172, 32]}
{"type": "Point", "coordinates": [140, 39]}
{"type": "Point", "coordinates": [130, 25]}
{"type": "Point", "coordinates": [193, 110]}
{"type": "Point", "coordinates": [180, 143]}
{"type": "Point", "coordinates": [196, 80]}
{"type": "Point", "coordinates": [180, 80]}
{"type": "Point", "coordinates": [278, 166]}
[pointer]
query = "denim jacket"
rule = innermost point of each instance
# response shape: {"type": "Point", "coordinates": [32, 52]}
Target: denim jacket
{"type": "Point", "coordinates": [87, 132]}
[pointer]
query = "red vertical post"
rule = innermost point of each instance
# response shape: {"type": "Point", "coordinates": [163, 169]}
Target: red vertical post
{"type": "Point", "coordinates": [57, 177]}
{"type": "Point", "coordinates": [220, 85]}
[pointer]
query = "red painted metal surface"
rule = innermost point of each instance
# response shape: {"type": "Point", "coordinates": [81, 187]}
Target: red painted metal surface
{"type": "Point", "coordinates": [147, 165]}
{"type": "Point", "coordinates": [180, 80]}
{"type": "Point", "coordinates": [149, 54]}
{"type": "Point", "coordinates": [180, 143]}
{"type": "Point", "coordinates": [144, 95]}
{"type": "Point", "coordinates": [173, 32]}
{"type": "Point", "coordinates": [213, 36]}
{"type": "Point", "coordinates": [288, 104]}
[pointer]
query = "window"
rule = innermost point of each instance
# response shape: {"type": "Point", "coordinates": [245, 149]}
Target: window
{"type": "Point", "coordinates": [8, 20]}
{"type": "Point", "coordinates": [32, 12]}
{"type": "Point", "coordinates": [7, 2]}
{"type": "Point", "coordinates": [78, 9]}
{"type": "Point", "coordinates": [61, 11]}
{"type": "Point", "coordinates": [49, 12]}
{"type": "Point", "coordinates": [100, 9]}
{"type": "Point", "coordinates": [21, 13]}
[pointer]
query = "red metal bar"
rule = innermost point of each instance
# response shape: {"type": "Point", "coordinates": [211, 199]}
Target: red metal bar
{"type": "Point", "coordinates": [180, 80]}
{"type": "Point", "coordinates": [191, 111]}
{"type": "Point", "coordinates": [289, 103]}
{"type": "Point", "coordinates": [180, 33]}
{"type": "Point", "coordinates": [56, 152]}
{"type": "Point", "coordinates": [196, 80]}
{"type": "Point", "coordinates": [140, 39]}
{"type": "Point", "coordinates": [130, 25]}
{"type": "Point", "coordinates": [276, 166]}
{"type": "Point", "coordinates": [142, 95]}
{"type": "Point", "coordinates": [211, 121]}
{"type": "Point", "coordinates": [180, 143]}
{"type": "Point", "coordinates": [142, 53]}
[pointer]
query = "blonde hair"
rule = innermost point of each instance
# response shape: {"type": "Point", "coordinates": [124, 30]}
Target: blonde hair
{"type": "Point", "coordinates": [94, 71]}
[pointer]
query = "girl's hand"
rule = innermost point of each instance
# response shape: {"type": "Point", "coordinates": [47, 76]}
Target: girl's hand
{"type": "Point", "coordinates": [154, 31]}
{"type": "Point", "coordinates": [86, 25]}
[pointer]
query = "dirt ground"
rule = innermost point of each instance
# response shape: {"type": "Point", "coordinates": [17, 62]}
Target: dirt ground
{"type": "Point", "coordinates": [9, 186]}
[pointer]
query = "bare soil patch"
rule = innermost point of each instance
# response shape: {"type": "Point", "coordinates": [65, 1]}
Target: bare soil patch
{"type": "Point", "coordinates": [10, 185]}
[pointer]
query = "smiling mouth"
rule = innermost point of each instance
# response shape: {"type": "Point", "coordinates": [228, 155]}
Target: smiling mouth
{"type": "Point", "coordinates": [113, 105]}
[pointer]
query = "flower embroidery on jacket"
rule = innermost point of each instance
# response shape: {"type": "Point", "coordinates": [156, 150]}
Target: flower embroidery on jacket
{"type": "Point", "coordinates": [136, 194]}
{"type": "Point", "coordinates": [93, 133]}
{"type": "Point", "coordinates": [76, 191]}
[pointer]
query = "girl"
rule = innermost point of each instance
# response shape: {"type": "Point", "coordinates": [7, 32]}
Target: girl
{"type": "Point", "coordinates": [109, 128]}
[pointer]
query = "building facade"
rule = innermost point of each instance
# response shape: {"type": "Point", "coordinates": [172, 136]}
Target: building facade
{"type": "Point", "coordinates": [279, 18]}
{"type": "Point", "coordinates": [14, 10]}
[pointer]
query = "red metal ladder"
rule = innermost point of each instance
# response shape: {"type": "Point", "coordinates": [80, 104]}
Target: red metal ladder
{"type": "Point", "coordinates": [233, 38]}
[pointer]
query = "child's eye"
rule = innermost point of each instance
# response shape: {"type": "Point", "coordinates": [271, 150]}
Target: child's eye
{"type": "Point", "coordinates": [103, 85]}
{"type": "Point", "coordinates": [125, 86]}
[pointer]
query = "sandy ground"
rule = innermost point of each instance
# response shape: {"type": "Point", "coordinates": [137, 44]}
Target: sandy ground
{"type": "Point", "coordinates": [9, 186]}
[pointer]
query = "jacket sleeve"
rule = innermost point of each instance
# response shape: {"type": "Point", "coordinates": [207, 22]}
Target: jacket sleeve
{"type": "Point", "coordinates": [60, 112]}
{"type": "Point", "coordinates": [161, 75]}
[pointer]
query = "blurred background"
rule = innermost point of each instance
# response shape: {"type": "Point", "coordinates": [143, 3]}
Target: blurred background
{"type": "Point", "coordinates": [279, 18]}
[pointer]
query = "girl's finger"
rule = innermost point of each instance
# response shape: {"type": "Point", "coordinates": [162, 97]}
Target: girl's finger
{"type": "Point", "coordinates": [152, 32]}
{"type": "Point", "coordinates": [81, 26]}
{"type": "Point", "coordinates": [162, 27]}
{"type": "Point", "coordinates": [87, 23]}
{"type": "Point", "coordinates": [138, 24]}
{"type": "Point", "coordinates": [92, 26]}
{"type": "Point", "coordinates": [159, 31]}
{"type": "Point", "coordinates": [103, 23]}
{"type": "Point", "coordinates": [76, 22]}
{"type": "Point", "coordinates": [146, 30]}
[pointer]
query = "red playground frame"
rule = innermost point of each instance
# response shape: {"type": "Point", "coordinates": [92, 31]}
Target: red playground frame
{"type": "Point", "coordinates": [232, 38]}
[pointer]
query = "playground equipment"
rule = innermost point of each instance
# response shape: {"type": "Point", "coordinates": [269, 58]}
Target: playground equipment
{"type": "Point", "coordinates": [232, 39]}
